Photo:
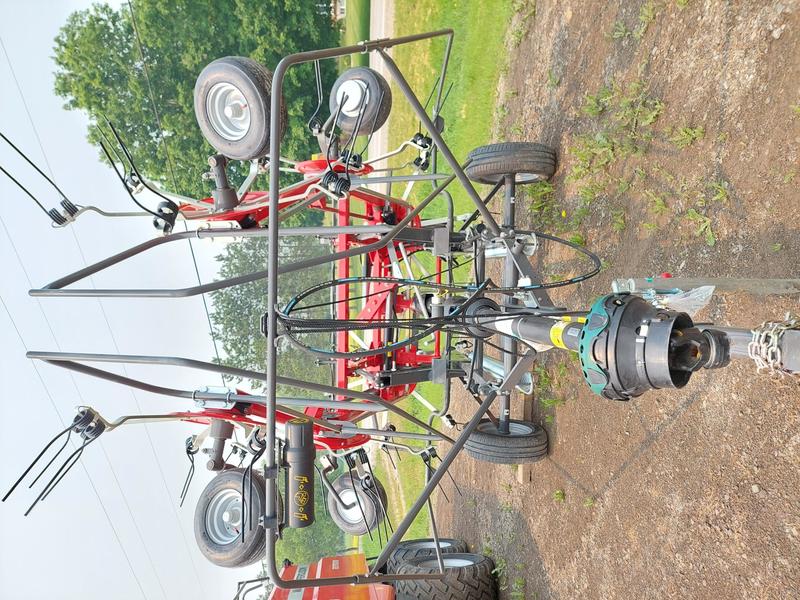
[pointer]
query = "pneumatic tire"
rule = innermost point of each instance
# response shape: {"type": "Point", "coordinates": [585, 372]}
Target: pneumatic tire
{"type": "Point", "coordinates": [357, 81]}
{"type": "Point", "coordinates": [527, 161]}
{"type": "Point", "coordinates": [232, 103]}
{"type": "Point", "coordinates": [422, 548]}
{"type": "Point", "coordinates": [525, 443]}
{"type": "Point", "coordinates": [368, 500]}
{"type": "Point", "coordinates": [467, 577]}
{"type": "Point", "coordinates": [219, 538]}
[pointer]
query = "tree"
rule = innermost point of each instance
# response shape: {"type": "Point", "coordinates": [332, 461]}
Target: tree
{"type": "Point", "coordinates": [237, 310]}
{"type": "Point", "coordinates": [100, 70]}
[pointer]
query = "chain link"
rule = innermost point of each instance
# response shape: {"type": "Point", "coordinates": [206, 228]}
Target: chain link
{"type": "Point", "coordinates": [765, 346]}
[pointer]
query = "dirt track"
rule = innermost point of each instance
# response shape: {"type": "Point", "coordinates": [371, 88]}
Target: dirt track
{"type": "Point", "coordinates": [688, 494]}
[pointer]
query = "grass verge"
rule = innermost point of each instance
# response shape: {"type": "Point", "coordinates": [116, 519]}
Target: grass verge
{"type": "Point", "coordinates": [355, 29]}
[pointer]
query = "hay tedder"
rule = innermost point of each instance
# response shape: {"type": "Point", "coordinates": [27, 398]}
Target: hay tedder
{"type": "Point", "coordinates": [409, 302]}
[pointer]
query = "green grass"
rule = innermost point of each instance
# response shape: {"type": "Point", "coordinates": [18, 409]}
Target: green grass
{"type": "Point", "coordinates": [477, 58]}
{"type": "Point", "coordinates": [356, 29]}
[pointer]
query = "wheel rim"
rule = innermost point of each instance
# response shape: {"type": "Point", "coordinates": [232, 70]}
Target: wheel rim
{"type": "Point", "coordinates": [528, 177]}
{"type": "Point", "coordinates": [513, 429]}
{"type": "Point", "coordinates": [353, 514]}
{"type": "Point", "coordinates": [449, 562]}
{"type": "Point", "coordinates": [430, 545]}
{"type": "Point", "coordinates": [224, 517]}
{"type": "Point", "coordinates": [228, 111]}
{"type": "Point", "coordinates": [356, 92]}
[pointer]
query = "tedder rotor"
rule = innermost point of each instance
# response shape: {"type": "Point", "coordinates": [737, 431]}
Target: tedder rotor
{"type": "Point", "coordinates": [409, 302]}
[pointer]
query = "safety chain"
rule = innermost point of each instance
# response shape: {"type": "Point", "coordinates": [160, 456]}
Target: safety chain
{"type": "Point", "coordinates": [764, 348]}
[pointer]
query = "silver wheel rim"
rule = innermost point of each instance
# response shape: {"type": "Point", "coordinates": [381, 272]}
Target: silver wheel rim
{"type": "Point", "coordinates": [228, 111]}
{"type": "Point", "coordinates": [353, 514]}
{"type": "Point", "coordinates": [449, 563]}
{"type": "Point", "coordinates": [224, 517]}
{"type": "Point", "coordinates": [430, 545]}
{"type": "Point", "coordinates": [513, 429]}
{"type": "Point", "coordinates": [357, 93]}
{"type": "Point", "coordinates": [528, 177]}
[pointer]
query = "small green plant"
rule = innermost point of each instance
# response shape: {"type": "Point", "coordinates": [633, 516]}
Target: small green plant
{"type": "Point", "coordinates": [618, 220]}
{"type": "Point", "coordinates": [561, 371]}
{"type": "Point", "coordinates": [595, 104]}
{"type": "Point", "coordinates": [623, 185]}
{"type": "Point", "coordinates": [551, 402]}
{"type": "Point", "coordinates": [720, 189]}
{"type": "Point", "coordinates": [620, 31]}
{"type": "Point", "coordinates": [795, 109]}
{"type": "Point", "coordinates": [649, 226]}
{"type": "Point", "coordinates": [552, 79]}
{"type": "Point", "coordinates": [703, 226]}
{"type": "Point", "coordinates": [658, 203]}
{"type": "Point", "coordinates": [604, 264]}
{"type": "Point", "coordinates": [647, 14]}
{"type": "Point", "coordinates": [502, 111]}
{"type": "Point", "coordinates": [507, 487]}
{"type": "Point", "coordinates": [516, 130]}
{"type": "Point", "coordinates": [776, 247]}
{"type": "Point", "coordinates": [789, 176]}
{"type": "Point", "coordinates": [550, 419]}
{"type": "Point", "coordinates": [588, 502]}
{"type": "Point", "coordinates": [683, 137]}
{"type": "Point", "coordinates": [588, 193]}
{"type": "Point", "coordinates": [681, 4]}
{"type": "Point", "coordinates": [517, 589]}
{"type": "Point", "coordinates": [577, 239]}
{"type": "Point", "coordinates": [506, 507]}
{"type": "Point", "coordinates": [559, 495]}
{"type": "Point", "coordinates": [501, 573]}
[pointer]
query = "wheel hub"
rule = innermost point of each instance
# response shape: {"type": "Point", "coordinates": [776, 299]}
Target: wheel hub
{"type": "Point", "coordinates": [228, 111]}
{"type": "Point", "coordinates": [224, 517]}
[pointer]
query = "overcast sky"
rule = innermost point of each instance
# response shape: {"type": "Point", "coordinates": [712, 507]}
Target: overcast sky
{"type": "Point", "coordinates": [127, 539]}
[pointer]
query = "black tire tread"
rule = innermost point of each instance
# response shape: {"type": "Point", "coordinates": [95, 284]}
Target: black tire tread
{"type": "Point", "coordinates": [406, 550]}
{"type": "Point", "coordinates": [261, 77]}
{"type": "Point", "coordinates": [239, 554]}
{"type": "Point", "coordinates": [492, 162]}
{"type": "Point", "coordinates": [474, 582]}
{"type": "Point", "coordinates": [377, 86]}
{"type": "Point", "coordinates": [508, 449]}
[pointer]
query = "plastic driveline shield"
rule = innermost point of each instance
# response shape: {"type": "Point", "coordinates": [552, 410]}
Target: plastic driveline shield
{"type": "Point", "coordinates": [596, 322]}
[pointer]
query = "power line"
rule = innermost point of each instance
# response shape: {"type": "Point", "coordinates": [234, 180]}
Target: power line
{"type": "Point", "coordinates": [55, 339]}
{"type": "Point", "coordinates": [83, 466]}
{"type": "Point", "coordinates": [171, 167]}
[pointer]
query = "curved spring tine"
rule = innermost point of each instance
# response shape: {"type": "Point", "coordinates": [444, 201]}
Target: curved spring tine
{"type": "Point", "coordinates": [352, 141]}
{"type": "Point", "coordinates": [358, 501]}
{"type": "Point", "coordinates": [50, 462]}
{"type": "Point", "coordinates": [333, 128]}
{"type": "Point", "coordinates": [318, 77]}
{"type": "Point", "coordinates": [35, 460]}
{"type": "Point", "coordinates": [188, 481]}
{"type": "Point", "coordinates": [380, 499]}
{"type": "Point", "coordinates": [455, 485]}
{"type": "Point", "coordinates": [374, 122]}
{"type": "Point", "coordinates": [63, 470]}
